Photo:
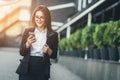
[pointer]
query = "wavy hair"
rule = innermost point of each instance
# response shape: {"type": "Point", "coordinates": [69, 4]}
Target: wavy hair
{"type": "Point", "coordinates": [47, 14]}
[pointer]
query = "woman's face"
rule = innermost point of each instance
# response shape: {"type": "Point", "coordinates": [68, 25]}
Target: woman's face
{"type": "Point", "coordinates": [39, 19]}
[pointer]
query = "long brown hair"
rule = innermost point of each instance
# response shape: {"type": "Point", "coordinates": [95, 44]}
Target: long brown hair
{"type": "Point", "coordinates": [46, 12]}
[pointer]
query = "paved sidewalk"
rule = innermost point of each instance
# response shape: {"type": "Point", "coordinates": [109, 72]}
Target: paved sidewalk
{"type": "Point", "coordinates": [59, 72]}
{"type": "Point", "coordinates": [9, 60]}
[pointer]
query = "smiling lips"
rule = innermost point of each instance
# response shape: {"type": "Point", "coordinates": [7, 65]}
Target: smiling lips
{"type": "Point", "coordinates": [39, 22]}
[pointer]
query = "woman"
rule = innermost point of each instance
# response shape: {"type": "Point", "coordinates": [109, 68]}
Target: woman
{"type": "Point", "coordinates": [39, 44]}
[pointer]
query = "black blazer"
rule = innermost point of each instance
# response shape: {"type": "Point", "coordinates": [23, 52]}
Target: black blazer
{"type": "Point", "coordinates": [52, 42]}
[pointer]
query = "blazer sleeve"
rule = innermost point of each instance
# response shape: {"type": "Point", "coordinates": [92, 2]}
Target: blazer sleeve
{"type": "Point", "coordinates": [23, 50]}
{"type": "Point", "coordinates": [54, 46]}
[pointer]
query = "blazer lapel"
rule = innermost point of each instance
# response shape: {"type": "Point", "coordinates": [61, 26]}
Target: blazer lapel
{"type": "Point", "coordinates": [49, 34]}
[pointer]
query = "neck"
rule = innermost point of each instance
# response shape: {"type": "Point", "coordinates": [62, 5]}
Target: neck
{"type": "Point", "coordinates": [40, 28]}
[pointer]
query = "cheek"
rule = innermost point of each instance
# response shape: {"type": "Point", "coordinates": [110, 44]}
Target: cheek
{"type": "Point", "coordinates": [35, 20]}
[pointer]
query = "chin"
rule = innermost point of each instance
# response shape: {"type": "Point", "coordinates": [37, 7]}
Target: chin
{"type": "Point", "coordinates": [39, 25]}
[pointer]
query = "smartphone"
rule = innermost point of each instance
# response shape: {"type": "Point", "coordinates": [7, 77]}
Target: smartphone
{"type": "Point", "coordinates": [32, 33]}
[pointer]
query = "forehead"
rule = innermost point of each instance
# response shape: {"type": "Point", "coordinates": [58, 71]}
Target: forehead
{"type": "Point", "coordinates": [39, 13]}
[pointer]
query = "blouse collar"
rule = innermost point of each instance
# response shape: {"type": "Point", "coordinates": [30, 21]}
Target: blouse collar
{"type": "Point", "coordinates": [44, 31]}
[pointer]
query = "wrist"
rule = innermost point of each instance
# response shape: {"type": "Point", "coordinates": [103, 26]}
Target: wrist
{"type": "Point", "coordinates": [27, 45]}
{"type": "Point", "coordinates": [49, 51]}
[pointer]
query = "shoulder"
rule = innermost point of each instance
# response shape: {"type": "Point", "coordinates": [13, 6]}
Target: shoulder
{"type": "Point", "coordinates": [55, 33]}
{"type": "Point", "coordinates": [26, 30]}
{"type": "Point", "coordinates": [29, 29]}
{"type": "Point", "coordinates": [52, 33]}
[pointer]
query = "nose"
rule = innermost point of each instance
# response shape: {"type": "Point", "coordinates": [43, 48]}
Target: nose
{"type": "Point", "coordinates": [39, 20]}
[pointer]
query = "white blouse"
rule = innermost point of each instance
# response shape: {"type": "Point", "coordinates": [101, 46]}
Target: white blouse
{"type": "Point", "coordinates": [37, 46]}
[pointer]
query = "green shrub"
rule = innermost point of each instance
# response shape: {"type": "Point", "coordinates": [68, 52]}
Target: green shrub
{"type": "Point", "coordinates": [110, 34]}
{"type": "Point", "coordinates": [118, 33]}
{"type": "Point", "coordinates": [98, 35]}
{"type": "Point", "coordinates": [62, 44]}
{"type": "Point", "coordinates": [87, 36]}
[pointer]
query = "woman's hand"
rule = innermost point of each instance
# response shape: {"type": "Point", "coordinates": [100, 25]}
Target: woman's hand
{"type": "Point", "coordinates": [46, 49]}
{"type": "Point", "coordinates": [31, 39]}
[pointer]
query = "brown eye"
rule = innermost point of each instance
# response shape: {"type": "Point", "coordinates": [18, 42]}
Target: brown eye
{"type": "Point", "coordinates": [40, 17]}
{"type": "Point", "coordinates": [37, 17]}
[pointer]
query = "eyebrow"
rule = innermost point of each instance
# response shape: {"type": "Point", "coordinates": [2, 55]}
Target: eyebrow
{"type": "Point", "coordinates": [39, 16]}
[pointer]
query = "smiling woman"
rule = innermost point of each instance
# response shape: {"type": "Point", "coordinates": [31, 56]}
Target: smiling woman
{"type": "Point", "coordinates": [39, 44]}
{"type": "Point", "coordinates": [39, 19]}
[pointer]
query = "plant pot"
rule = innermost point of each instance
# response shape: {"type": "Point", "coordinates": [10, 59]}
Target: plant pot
{"type": "Point", "coordinates": [70, 53]}
{"type": "Point", "coordinates": [65, 53]}
{"type": "Point", "coordinates": [61, 53]}
{"type": "Point", "coordinates": [81, 53]}
{"type": "Point", "coordinates": [113, 54]}
{"type": "Point", "coordinates": [118, 51]}
{"type": "Point", "coordinates": [74, 53]}
{"type": "Point", "coordinates": [89, 54]}
{"type": "Point", "coordinates": [104, 54]}
{"type": "Point", "coordinates": [96, 54]}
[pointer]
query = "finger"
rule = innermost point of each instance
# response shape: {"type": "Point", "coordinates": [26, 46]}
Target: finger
{"type": "Point", "coordinates": [44, 50]}
{"type": "Point", "coordinates": [31, 36]}
{"type": "Point", "coordinates": [46, 45]}
{"type": "Point", "coordinates": [33, 40]}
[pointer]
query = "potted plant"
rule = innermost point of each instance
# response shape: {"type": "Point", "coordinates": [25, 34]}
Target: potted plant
{"type": "Point", "coordinates": [75, 39]}
{"type": "Point", "coordinates": [110, 36]}
{"type": "Point", "coordinates": [70, 48]}
{"type": "Point", "coordinates": [99, 42]}
{"type": "Point", "coordinates": [87, 40]}
{"type": "Point", "coordinates": [79, 46]}
{"type": "Point", "coordinates": [118, 37]}
{"type": "Point", "coordinates": [62, 46]}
